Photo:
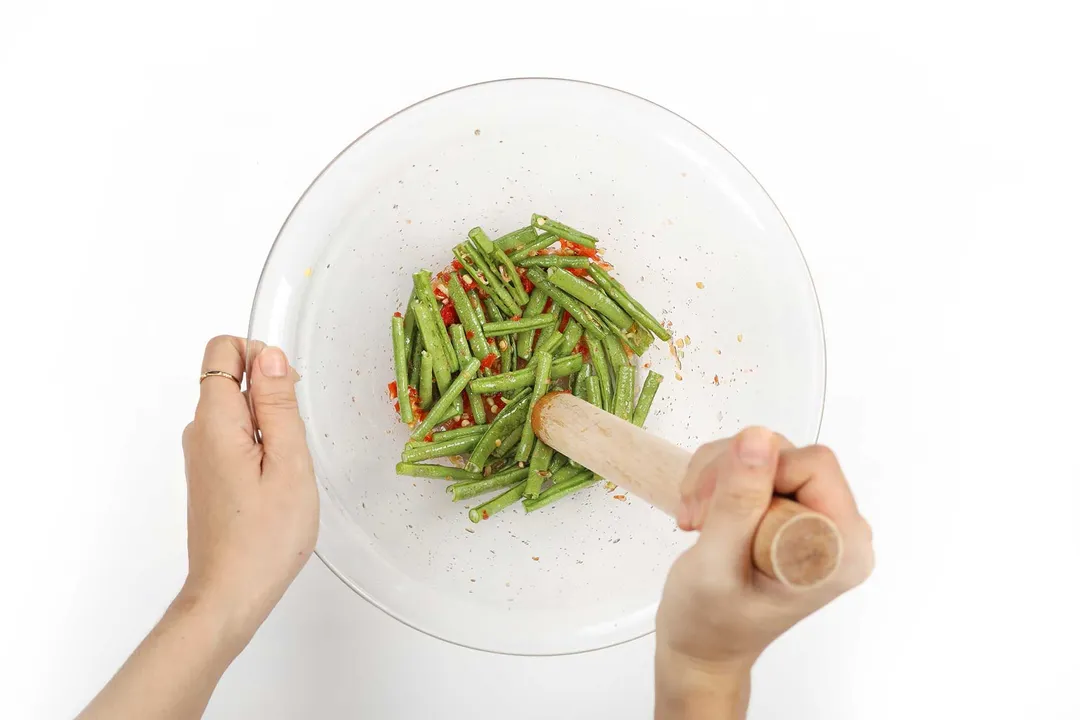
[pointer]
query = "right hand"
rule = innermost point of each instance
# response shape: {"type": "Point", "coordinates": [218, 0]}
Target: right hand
{"type": "Point", "coordinates": [718, 613]}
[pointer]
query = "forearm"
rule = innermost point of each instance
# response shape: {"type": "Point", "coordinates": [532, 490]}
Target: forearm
{"type": "Point", "coordinates": [686, 690]}
{"type": "Point", "coordinates": [172, 673]}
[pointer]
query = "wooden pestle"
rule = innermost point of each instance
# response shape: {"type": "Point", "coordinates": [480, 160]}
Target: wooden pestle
{"type": "Point", "coordinates": [793, 544]}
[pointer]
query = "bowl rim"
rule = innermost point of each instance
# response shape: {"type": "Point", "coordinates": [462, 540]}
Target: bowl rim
{"type": "Point", "coordinates": [600, 86]}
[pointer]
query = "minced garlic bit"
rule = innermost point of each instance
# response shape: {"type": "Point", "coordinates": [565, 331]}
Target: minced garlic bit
{"type": "Point", "coordinates": [498, 442]}
{"type": "Point", "coordinates": [503, 345]}
{"type": "Point", "coordinates": [521, 465]}
{"type": "Point", "coordinates": [678, 376]}
{"type": "Point", "coordinates": [307, 272]}
{"type": "Point", "coordinates": [442, 288]}
{"type": "Point", "coordinates": [456, 418]}
{"type": "Point", "coordinates": [540, 220]}
{"type": "Point", "coordinates": [679, 342]}
{"type": "Point", "coordinates": [700, 285]}
{"type": "Point", "coordinates": [739, 337]}
{"type": "Point", "coordinates": [466, 422]}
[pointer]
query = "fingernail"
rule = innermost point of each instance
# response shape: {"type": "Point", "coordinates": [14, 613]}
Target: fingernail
{"type": "Point", "coordinates": [755, 447]}
{"type": "Point", "coordinates": [685, 515]}
{"type": "Point", "coordinates": [272, 362]}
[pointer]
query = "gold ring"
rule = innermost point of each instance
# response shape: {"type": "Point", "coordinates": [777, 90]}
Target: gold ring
{"type": "Point", "coordinates": [219, 373]}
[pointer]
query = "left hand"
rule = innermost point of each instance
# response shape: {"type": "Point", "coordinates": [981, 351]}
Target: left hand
{"type": "Point", "coordinates": [253, 509]}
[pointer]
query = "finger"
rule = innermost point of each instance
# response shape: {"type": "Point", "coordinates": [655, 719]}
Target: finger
{"type": "Point", "coordinates": [813, 475]}
{"type": "Point", "coordinates": [697, 486]}
{"type": "Point", "coordinates": [273, 397]}
{"type": "Point", "coordinates": [220, 399]}
{"type": "Point", "coordinates": [743, 477]}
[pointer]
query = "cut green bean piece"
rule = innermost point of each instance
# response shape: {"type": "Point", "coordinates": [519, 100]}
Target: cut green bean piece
{"type": "Point", "coordinates": [414, 354]}
{"type": "Point", "coordinates": [452, 412]}
{"type": "Point", "coordinates": [616, 353]}
{"type": "Point", "coordinates": [580, 383]}
{"type": "Point", "coordinates": [508, 498]}
{"type": "Point", "coordinates": [571, 338]}
{"type": "Point", "coordinates": [499, 429]}
{"type": "Point", "coordinates": [410, 331]}
{"type": "Point", "coordinates": [475, 264]}
{"type": "Point", "coordinates": [570, 471]}
{"type": "Point", "coordinates": [598, 358]}
{"type": "Point", "coordinates": [576, 309]}
{"type": "Point", "coordinates": [547, 344]}
{"type": "Point", "coordinates": [506, 327]}
{"type": "Point", "coordinates": [525, 377]}
{"type": "Point", "coordinates": [468, 371]}
{"type": "Point", "coordinates": [423, 292]}
{"type": "Point", "coordinates": [432, 329]}
{"type": "Point", "coordinates": [637, 337]}
{"type": "Point", "coordinates": [425, 391]}
{"type": "Point", "coordinates": [542, 222]}
{"type": "Point", "coordinates": [431, 450]}
{"type": "Point", "coordinates": [505, 478]}
{"type": "Point", "coordinates": [506, 446]}
{"type": "Point", "coordinates": [470, 317]}
{"type": "Point", "coordinates": [592, 295]}
{"type": "Point", "coordinates": [559, 261]}
{"type": "Point", "coordinates": [540, 388]}
{"type": "Point", "coordinates": [444, 435]}
{"type": "Point", "coordinates": [517, 239]}
{"type": "Point", "coordinates": [436, 471]}
{"type": "Point", "coordinates": [558, 492]}
{"type": "Point", "coordinates": [558, 460]}
{"type": "Point", "coordinates": [633, 308]}
{"type": "Point", "coordinates": [541, 242]}
{"type": "Point", "coordinates": [461, 346]}
{"type": "Point", "coordinates": [524, 340]}
{"type": "Point", "coordinates": [517, 288]}
{"type": "Point", "coordinates": [624, 393]}
{"type": "Point", "coordinates": [481, 240]}
{"type": "Point", "coordinates": [645, 398]}
{"type": "Point", "coordinates": [539, 463]}
{"type": "Point", "coordinates": [592, 391]}
{"type": "Point", "coordinates": [401, 369]}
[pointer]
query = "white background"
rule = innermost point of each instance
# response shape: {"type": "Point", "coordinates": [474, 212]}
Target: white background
{"type": "Point", "coordinates": [925, 154]}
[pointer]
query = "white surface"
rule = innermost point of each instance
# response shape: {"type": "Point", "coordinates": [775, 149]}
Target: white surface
{"type": "Point", "coordinates": [667, 203]}
{"type": "Point", "coordinates": [924, 155]}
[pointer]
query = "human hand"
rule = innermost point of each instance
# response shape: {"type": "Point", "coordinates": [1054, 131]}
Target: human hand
{"type": "Point", "coordinates": [252, 508]}
{"type": "Point", "coordinates": [718, 613]}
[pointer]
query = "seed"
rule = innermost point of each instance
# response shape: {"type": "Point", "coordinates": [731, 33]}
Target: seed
{"type": "Point", "coordinates": [465, 423]}
{"type": "Point", "coordinates": [678, 376]}
{"type": "Point", "coordinates": [679, 342]}
{"type": "Point", "coordinates": [503, 345]}
{"type": "Point", "coordinates": [540, 221]}
{"type": "Point", "coordinates": [700, 285]}
{"type": "Point", "coordinates": [498, 442]}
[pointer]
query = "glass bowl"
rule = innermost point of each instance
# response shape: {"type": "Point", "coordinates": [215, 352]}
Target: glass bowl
{"type": "Point", "coordinates": [689, 231]}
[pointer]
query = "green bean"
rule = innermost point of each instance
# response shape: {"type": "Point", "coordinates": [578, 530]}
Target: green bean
{"type": "Point", "coordinates": [616, 353]}
{"type": "Point", "coordinates": [425, 391]}
{"type": "Point", "coordinates": [558, 460]}
{"type": "Point", "coordinates": [560, 261]}
{"type": "Point", "coordinates": [481, 240]}
{"type": "Point", "coordinates": [475, 264]}
{"type": "Point", "coordinates": [461, 345]}
{"type": "Point", "coordinates": [471, 430]}
{"type": "Point", "coordinates": [516, 239]}
{"type": "Point", "coordinates": [508, 498]}
{"type": "Point", "coordinates": [577, 310]}
{"type": "Point", "coordinates": [436, 471]}
{"type": "Point", "coordinates": [410, 330]}
{"type": "Point", "coordinates": [541, 242]}
{"type": "Point", "coordinates": [579, 382]}
{"type": "Point", "coordinates": [635, 309]}
{"type": "Point", "coordinates": [452, 412]}
{"type": "Point", "coordinates": [571, 337]}
{"type": "Point", "coordinates": [535, 306]}
{"type": "Point", "coordinates": [505, 478]}
{"type": "Point", "coordinates": [592, 391]}
{"type": "Point", "coordinates": [645, 398]}
{"type": "Point", "coordinates": [517, 288]}
{"type": "Point", "coordinates": [591, 295]}
{"type": "Point", "coordinates": [401, 370]}
{"type": "Point", "coordinates": [468, 370]}
{"type": "Point", "coordinates": [430, 325]}
{"type": "Point", "coordinates": [510, 281]}
{"type": "Point", "coordinates": [539, 463]}
{"type": "Point", "coordinates": [423, 292]}
{"type": "Point", "coordinates": [414, 353]}
{"type": "Point", "coordinates": [547, 344]}
{"type": "Point", "coordinates": [598, 358]}
{"type": "Point", "coordinates": [510, 443]}
{"type": "Point", "coordinates": [545, 333]}
{"type": "Point", "coordinates": [506, 327]}
{"type": "Point", "coordinates": [525, 377]}
{"type": "Point", "coordinates": [499, 429]}
{"type": "Point", "coordinates": [624, 393]}
{"type": "Point", "coordinates": [567, 472]}
{"type": "Point", "coordinates": [467, 314]}
{"type": "Point", "coordinates": [428, 451]}
{"type": "Point", "coordinates": [558, 492]}
{"type": "Point", "coordinates": [541, 222]}
{"type": "Point", "coordinates": [637, 337]}
{"type": "Point", "coordinates": [540, 388]}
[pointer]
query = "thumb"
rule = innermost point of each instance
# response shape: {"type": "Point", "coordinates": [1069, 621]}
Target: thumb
{"type": "Point", "coordinates": [273, 399]}
{"type": "Point", "coordinates": [743, 490]}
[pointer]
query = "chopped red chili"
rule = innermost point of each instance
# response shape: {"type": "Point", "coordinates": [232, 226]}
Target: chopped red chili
{"type": "Point", "coordinates": [392, 388]}
{"type": "Point", "coordinates": [449, 314]}
{"type": "Point", "coordinates": [456, 265]}
{"type": "Point", "coordinates": [580, 272]}
{"type": "Point", "coordinates": [469, 334]}
{"type": "Point", "coordinates": [488, 361]}
{"type": "Point", "coordinates": [397, 314]}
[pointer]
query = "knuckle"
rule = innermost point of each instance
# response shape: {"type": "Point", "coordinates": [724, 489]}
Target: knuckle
{"type": "Point", "coordinates": [217, 342]}
{"type": "Point", "coordinates": [279, 399]}
{"type": "Point", "coordinates": [823, 456]}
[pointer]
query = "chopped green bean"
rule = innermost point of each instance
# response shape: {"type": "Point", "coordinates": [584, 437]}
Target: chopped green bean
{"type": "Point", "coordinates": [591, 295]}
{"type": "Point", "coordinates": [508, 498]}
{"type": "Point", "coordinates": [547, 344]}
{"type": "Point", "coordinates": [504, 478]}
{"type": "Point", "coordinates": [635, 309]}
{"type": "Point", "coordinates": [499, 429]}
{"type": "Point", "coordinates": [425, 391]}
{"type": "Point", "coordinates": [576, 309]}
{"type": "Point", "coordinates": [517, 239]}
{"type": "Point", "coordinates": [645, 398]}
{"type": "Point", "coordinates": [525, 377]}
{"type": "Point", "coordinates": [423, 292]}
{"type": "Point", "coordinates": [468, 315]}
{"type": "Point", "coordinates": [512, 326]}
{"type": "Point", "coordinates": [582, 480]}
{"type": "Point", "coordinates": [540, 388]}
{"type": "Point", "coordinates": [432, 328]}
{"type": "Point", "coordinates": [443, 403]}
{"type": "Point", "coordinates": [571, 338]}
{"type": "Point", "coordinates": [436, 471]}
{"type": "Point", "coordinates": [401, 370]}
{"type": "Point", "coordinates": [461, 346]}
{"type": "Point", "coordinates": [504, 447]}
{"type": "Point", "coordinates": [541, 242]}
{"type": "Point", "coordinates": [444, 435]}
{"type": "Point", "coordinates": [534, 307]}
{"type": "Point", "coordinates": [431, 450]}
{"type": "Point", "coordinates": [559, 261]}
{"type": "Point", "coordinates": [542, 222]}
{"type": "Point", "coordinates": [598, 358]}
{"type": "Point", "coordinates": [624, 393]}
{"type": "Point", "coordinates": [539, 463]}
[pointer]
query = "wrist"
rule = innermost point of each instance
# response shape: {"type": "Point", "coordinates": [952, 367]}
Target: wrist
{"type": "Point", "coordinates": [690, 688]}
{"type": "Point", "coordinates": [213, 621]}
